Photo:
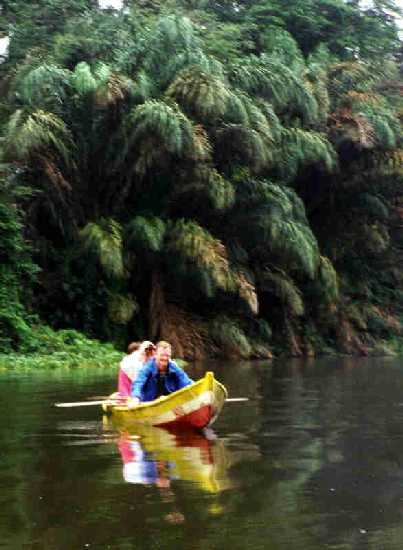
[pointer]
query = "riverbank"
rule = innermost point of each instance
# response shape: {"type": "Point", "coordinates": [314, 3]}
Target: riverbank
{"type": "Point", "coordinates": [64, 348]}
{"type": "Point", "coordinates": [71, 349]}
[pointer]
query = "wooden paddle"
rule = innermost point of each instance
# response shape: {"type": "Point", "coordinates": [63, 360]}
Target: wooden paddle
{"type": "Point", "coordinates": [122, 402]}
{"type": "Point", "coordinates": [90, 403]}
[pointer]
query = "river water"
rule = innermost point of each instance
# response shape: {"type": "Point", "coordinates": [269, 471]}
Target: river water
{"type": "Point", "coordinates": [314, 460]}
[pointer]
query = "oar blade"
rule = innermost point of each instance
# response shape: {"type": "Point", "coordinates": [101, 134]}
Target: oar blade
{"type": "Point", "coordinates": [236, 399]}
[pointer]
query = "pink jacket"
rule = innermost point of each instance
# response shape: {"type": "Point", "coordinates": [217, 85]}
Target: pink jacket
{"type": "Point", "coordinates": [128, 371]}
{"type": "Point", "coordinates": [124, 384]}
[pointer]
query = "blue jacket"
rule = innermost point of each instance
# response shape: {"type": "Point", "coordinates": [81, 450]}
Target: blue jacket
{"type": "Point", "coordinates": [145, 386]}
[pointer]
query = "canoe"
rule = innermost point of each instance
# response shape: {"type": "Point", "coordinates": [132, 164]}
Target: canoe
{"type": "Point", "coordinates": [195, 406]}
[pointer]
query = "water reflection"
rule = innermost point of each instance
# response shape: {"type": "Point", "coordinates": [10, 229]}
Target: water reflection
{"type": "Point", "coordinates": [156, 456]}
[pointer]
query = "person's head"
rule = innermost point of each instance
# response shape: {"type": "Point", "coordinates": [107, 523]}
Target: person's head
{"type": "Point", "coordinates": [148, 349]}
{"type": "Point", "coordinates": [163, 354]}
{"type": "Point", "coordinates": [133, 346]}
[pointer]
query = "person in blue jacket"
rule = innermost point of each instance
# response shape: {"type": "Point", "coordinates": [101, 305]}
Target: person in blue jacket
{"type": "Point", "coordinates": [159, 376]}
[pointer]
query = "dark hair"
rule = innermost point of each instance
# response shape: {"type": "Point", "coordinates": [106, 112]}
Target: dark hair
{"type": "Point", "coordinates": [133, 346]}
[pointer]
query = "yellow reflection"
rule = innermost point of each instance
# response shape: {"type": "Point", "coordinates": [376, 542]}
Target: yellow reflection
{"type": "Point", "coordinates": [152, 455]}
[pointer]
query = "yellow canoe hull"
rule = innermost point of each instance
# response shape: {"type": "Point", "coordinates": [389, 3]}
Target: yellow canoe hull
{"type": "Point", "coordinates": [195, 406]}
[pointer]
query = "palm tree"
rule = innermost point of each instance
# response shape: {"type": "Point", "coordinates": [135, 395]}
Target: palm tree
{"type": "Point", "coordinates": [185, 185]}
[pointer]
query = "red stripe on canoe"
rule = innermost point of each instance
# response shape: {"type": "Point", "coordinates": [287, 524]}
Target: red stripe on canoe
{"type": "Point", "coordinates": [195, 419]}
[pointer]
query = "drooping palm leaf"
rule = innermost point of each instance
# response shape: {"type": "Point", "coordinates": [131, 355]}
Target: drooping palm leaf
{"type": "Point", "coordinates": [273, 81]}
{"type": "Point", "coordinates": [38, 132]}
{"type": "Point", "coordinates": [163, 122]}
{"type": "Point", "coordinates": [200, 249]}
{"type": "Point", "coordinates": [247, 291]}
{"type": "Point", "coordinates": [44, 87]}
{"type": "Point", "coordinates": [278, 224]}
{"type": "Point", "coordinates": [112, 88]}
{"type": "Point", "coordinates": [284, 288]}
{"type": "Point", "coordinates": [174, 46]}
{"type": "Point", "coordinates": [203, 95]}
{"type": "Point", "coordinates": [103, 241]}
{"type": "Point", "coordinates": [229, 337]}
{"type": "Point", "coordinates": [300, 147]}
{"type": "Point", "coordinates": [328, 280]}
{"type": "Point", "coordinates": [83, 81]}
{"type": "Point", "coordinates": [146, 232]}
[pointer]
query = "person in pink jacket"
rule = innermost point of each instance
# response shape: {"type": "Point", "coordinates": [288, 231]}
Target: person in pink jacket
{"type": "Point", "coordinates": [137, 355]}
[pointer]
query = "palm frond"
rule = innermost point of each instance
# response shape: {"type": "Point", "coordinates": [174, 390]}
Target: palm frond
{"type": "Point", "coordinates": [237, 144]}
{"type": "Point", "coordinates": [348, 127]}
{"type": "Point", "coordinates": [258, 121]}
{"type": "Point", "coordinates": [262, 330]}
{"type": "Point", "coordinates": [284, 288]}
{"type": "Point", "coordinates": [200, 94]}
{"type": "Point", "coordinates": [30, 133]}
{"type": "Point", "coordinates": [236, 112]}
{"type": "Point", "coordinates": [143, 87]}
{"type": "Point", "coordinates": [201, 147]}
{"type": "Point", "coordinates": [103, 241]}
{"type": "Point", "coordinates": [44, 86]}
{"type": "Point", "coordinates": [317, 81]}
{"type": "Point", "coordinates": [366, 119]}
{"type": "Point", "coordinates": [278, 225]}
{"type": "Point", "coordinates": [220, 191]}
{"type": "Point", "coordinates": [385, 129]}
{"type": "Point", "coordinates": [174, 46]}
{"type": "Point", "coordinates": [272, 119]}
{"type": "Point", "coordinates": [250, 131]}
{"type": "Point", "coordinates": [276, 83]}
{"type": "Point", "coordinates": [83, 81]}
{"type": "Point", "coordinates": [200, 249]}
{"type": "Point", "coordinates": [328, 280]}
{"type": "Point", "coordinates": [205, 182]}
{"type": "Point", "coordinates": [300, 147]}
{"type": "Point", "coordinates": [229, 337]}
{"type": "Point", "coordinates": [349, 76]}
{"type": "Point", "coordinates": [175, 32]}
{"type": "Point", "coordinates": [247, 290]}
{"type": "Point", "coordinates": [112, 88]}
{"type": "Point", "coordinates": [165, 123]}
{"type": "Point", "coordinates": [295, 243]}
{"type": "Point", "coordinates": [146, 232]}
{"type": "Point", "coordinates": [321, 57]}
{"type": "Point", "coordinates": [150, 154]}
{"type": "Point", "coordinates": [280, 46]}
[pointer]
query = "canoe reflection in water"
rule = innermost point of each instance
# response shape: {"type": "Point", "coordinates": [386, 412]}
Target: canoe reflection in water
{"type": "Point", "coordinates": [139, 467]}
{"type": "Point", "coordinates": [157, 456]}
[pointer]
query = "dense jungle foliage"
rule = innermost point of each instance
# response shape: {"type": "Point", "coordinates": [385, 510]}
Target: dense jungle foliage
{"type": "Point", "coordinates": [225, 175]}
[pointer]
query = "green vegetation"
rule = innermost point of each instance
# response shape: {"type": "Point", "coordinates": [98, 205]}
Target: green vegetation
{"type": "Point", "coordinates": [65, 348]}
{"type": "Point", "coordinates": [223, 175]}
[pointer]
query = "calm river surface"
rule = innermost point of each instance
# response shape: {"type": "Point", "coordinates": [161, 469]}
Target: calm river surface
{"type": "Point", "coordinates": [314, 460]}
